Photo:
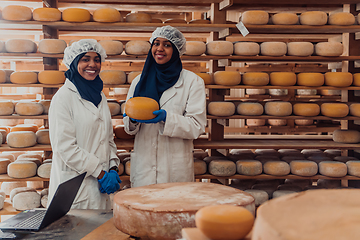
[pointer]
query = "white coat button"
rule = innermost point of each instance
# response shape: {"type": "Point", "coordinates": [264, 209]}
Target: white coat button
{"type": "Point", "coordinates": [101, 142]}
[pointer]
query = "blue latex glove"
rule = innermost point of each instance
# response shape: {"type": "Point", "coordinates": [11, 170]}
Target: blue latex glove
{"type": "Point", "coordinates": [109, 183]}
{"type": "Point", "coordinates": [132, 120]}
{"type": "Point", "coordinates": [161, 116]}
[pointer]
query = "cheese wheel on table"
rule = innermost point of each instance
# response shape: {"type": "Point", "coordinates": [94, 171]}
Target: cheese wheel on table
{"type": "Point", "coordinates": [329, 49]}
{"type": "Point", "coordinates": [107, 15]}
{"type": "Point", "coordinates": [52, 46]}
{"type": "Point", "coordinates": [195, 48]}
{"type": "Point", "coordinates": [22, 169]}
{"type": "Point", "coordinates": [112, 77]}
{"type": "Point", "coordinates": [275, 49]}
{"type": "Point", "coordinates": [334, 109]}
{"type": "Point", "coordinates": [141, 108]}
{"type": "Point", "coordinates": [282, 78]}
{"type": "Point", "coordinates": [206, 77]}
{"type": "Point", "coordinates": [137, 47]}
{"type": "Point", "coordinates": [51, 77]}
{"type": "Point", "coordinates": [310, 79]}
{"type": "Point", "coordinates": [171, 206]}
{"type": "Point", "coordinates": [227, 78]}
{"type": "Point", "coordinates": [250, 108]}
{"type": "Point", "coordinates": [46, 14]}
{"type": "Point", "coordinates": [338, 79]}
{"type": "Point", "coordinates": [246, 48]}
{"type": "Point", "coordinates": [20, 46]}
{"type": "Point", "coordinates": [301, 49]}
{"type": "Point", "coordinates": [341, 18]}
{"type": "Point", "coordinates": [219, 48]}
{"type": "Point", "coordinates": [24, 77]}
{"type": "Point", "coordinates": [306, 109]}
{"type": "Point", "coordinates": [303, 168]}
{"type": "Point", "coordinates": [255, 78]}
{"type": "Point", "coordinates": [276, 168]}
{"type": "Point", "coordinates": [76, 15]}
{"type": "Point", "coordinates": [112, 47]}
{"type": "Point", "coordinates": [29, 108]}
{"type": "Point", "coordinates": [42, 136]}
{"type": "Point", "coordinates": [21, 139]}
{"type": "Point", "coordinates": [285, 18]}
{"type": "Point", "coordinates": [249, 167]}
{"type": "Point", "coordinates": [278, 108]}
{"type": "Point", "coordinates": [221, 109]}
{"type": "Point", "coordinates": [256, 17]}
{"type": "Point", "coordinates": [332, 168]}
{"type": "Point", "coordinates": [200, 167]}
{"type": "Point", "coordinates": [313, 18]}
{"type": "Point", "coordinates": [138, 17]}
{"type": "Point", "coordinates": [7, 107]}
{"type": "Point", "coordinates": [346, 136]}
{"type": "Point", "coordinates": [16, 13]}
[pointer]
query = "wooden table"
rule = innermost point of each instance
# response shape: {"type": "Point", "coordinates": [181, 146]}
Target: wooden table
{"type": "Point", "coordinates": [196, 234]}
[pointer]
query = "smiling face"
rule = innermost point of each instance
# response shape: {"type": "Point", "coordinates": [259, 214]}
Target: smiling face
{"type": "Point", "coordinates": [89, 66]}
{"type": "Point", "coordinates": [161, 50]}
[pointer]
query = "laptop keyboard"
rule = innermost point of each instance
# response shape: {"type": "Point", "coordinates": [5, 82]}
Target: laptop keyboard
{"type": "Point", "coordinates": [32, 222]}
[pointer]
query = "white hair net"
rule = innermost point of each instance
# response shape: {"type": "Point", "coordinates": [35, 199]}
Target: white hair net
{"type": "Point", "coordinates": [173, 35]}
{"type": "Point", "coordinates": [82, 46]}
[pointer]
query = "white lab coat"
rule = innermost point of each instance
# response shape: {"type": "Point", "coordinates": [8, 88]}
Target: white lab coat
{"type": "Point", "coordinates": [163, 152]}
{"type": "Point", "coordinates": [82, 140]}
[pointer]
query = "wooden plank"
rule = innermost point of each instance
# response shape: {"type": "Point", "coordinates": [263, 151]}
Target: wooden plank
{"type": "Point", "coordinates": [8, 209]}
{"type": "Point", "coordinates": [267, 129]}
{"type": "Point", "coordinates": [37, 147]}
{"type": "Point", "coordinates": [293, 117]}
{"type": "Point", "coordinates": [6, 178]}
{"type": "Point", "coordinates": [107, 231]}
{"type": "Point", "coordinates": [210, 86]}
{"type": "Point", "coordinates": [266, 176]}
{"type": "Point", "coordinates": [196, 234]}
{"type": "Point", "coordinates": [295, 2]}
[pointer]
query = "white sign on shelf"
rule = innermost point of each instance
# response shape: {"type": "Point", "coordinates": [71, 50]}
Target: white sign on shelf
{"type": "Point", "coordinates": [243, 30]}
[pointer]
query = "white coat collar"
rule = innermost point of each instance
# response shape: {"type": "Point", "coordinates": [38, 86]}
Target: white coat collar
{"type": "Point", "coordinates": [171, 92]}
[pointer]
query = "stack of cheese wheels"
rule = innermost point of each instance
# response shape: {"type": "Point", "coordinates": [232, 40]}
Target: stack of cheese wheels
{"type": "Point", "coordinates": [7, 75]}
{"type": "Point", "coordinates": [195, 48]}
{"type": "Point", "coordinates": [256, 17]}
{"type": "Point", "coordinates": [246, 48]}
{"type": "Point", "coordinates": [329, 49]}
{"type": "Point", "coordinates": [306, 109]}
{"type": "Point", "coordinates": [250, 109]}
{"type": "Point", "coordinates": [356, 79]}
{"type": "Point", "coordinates": [346, 136]}
{"type": "Point", "coordinates": [310, 79]}
{"type": "Point", "coordinates": [107, 15]}
{"type": "Point", "coordinates": [274, 49]}
{"type": "Point", "coordinates": [76, 15]}
{"type": "Point", "coordinates": [227, 78]}
{"type": "Point", "coordinates": [332, 168]}
{"type": "Point", "coordinates": [137, 47]}
{"type": "Point", "coordinates": [16, 13]}
{"type": "Point", "coordinates": [29, 108]}
{"type": "Point", "coordinates": [334, 109]}
{"type": "Point", "coordinates": [7, 107]}
{"type": "Point", "coordinates": [21, 139]}
{"type": "Point", "coordinates": [207, 77]}
{"type": "Point", "coordinates": [221, 109]}
{"type": "Point", "coordinates": [278, 108]}
{"type": "Point", "coordinates": [138, 17]}
{"type": "Point", "coordinates": [249, 167]}
{"type": "Point", "coordinates": [354, 109]}
{"type": "Point", "coordinates": [132, 75]}
{"type": "Point", "coordinates": [46, 14]}
{"type": "Point", "coordinates": [255, 78]}
{"type": "Point", "coordinates": [284, 18]}
{"type": "Point", "coordinates": [141, 108]}
{"type": "Point", "coordinates": [24, 77]}
{"type": "Point", "coordinates": [20, 46]}
{"type": "Point", "coordinates": [42, 136]}
{"type": "Point", "coordinates": [114, 107]}
{"type": "Point", "coordinates": [175, 20]}
{"type": "Point", "coordinates": [52, 46]}
{"type": "Point", "coordinates": [302, 49]}
{"type": "Point", "coordinates": [338, 79]}
{"type": "Point", "coordinates": [121, 134]}
{"type": "Point", "coordinates": [282, 78]}
{"type": "Point", "coordinates": [303, 168]}
{"type": "Point", "coordinates": [112, 47]}
{"type": "Point", "coordinates": [171, 206]}
{"type": "Point", "coordinates": [51, 77]}
{"type": "Point", "coordinates": [314, 18]}
{"type": "Point", "coordinates": [341, 18]}
{"type": "Point", "coordinates": [222, 167]}
{"type": "Point", "coordinates": [219, 48]}
{"type": "Point", "coordinates": [110, 77]}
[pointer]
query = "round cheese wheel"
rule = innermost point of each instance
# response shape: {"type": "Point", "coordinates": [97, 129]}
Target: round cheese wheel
{"type": "Point", "coordinates": [2, 76]}
{"type": "Point", "coordinates": [329, 49]}
{"type": "Point", "coordinates": [114, 108]}
{"type": "Point", "coordinates": [269, 152]}
{"type": "Point", "coordinates": [52, 46]}
{"type": "Point", "coordinates": [256, 17]}
{"type": "Point", "coordinates": [26, 201]}
{"type": "Point", "coordinates": [7, 107]}
{"type": "Point", "coordinates": [246, 48]}
{"type": "Point", "coordinates": [255, 122]}
{"type": "Point", "coordinates": [277, 122]}
{"type": "Point", "coordinates": [249, 167]}
{"type": "Point", "coordinates": [46, 104]}
{"type": "Point", "coordinates": [156, 20]}
{"type": "Point", "coordinates": [302, 49]}
{"type": "Point", "coordinates": [38, 185]}
{"type": "Point", "coordinates": [255, 91]}
{"type": "Point", "coordinates": [219, 222]}
{"type": "Point", "coordinates": [42, 136]}
{"type": "Point", "coordinates": [195, 48]}
{"type": "Point", "coordinates": [285, 18]}
{"type": "Point", "coordinates": [338, 79]}
{"type": "Point", "coordinates": [353, 168]}
{"type": "Point", "coordinates": [137, 47]}
{"type": "Point", "coordinates": [221, 109]}
{"type": "Point", "coordinates": [222, 168]}
{"type": "Point", "coordinates": [306, 109]}
{"type": "Point", "coordinates": [138, 17]}
{"type": "Point", "coordinates": [278, 108]}
{"type": "Point", "coordinates": [354, 109]}
{"type": "Point", "coordinates": [132, 75]}
{"type": "Point", "coordinates": [282, 78]}
{"type": "Point", "coordinates": [46, 14]}
{"type": "Point", "coordinates": [277, 168]}
{"type": "Point", "coordinates": [6, 187]}
{"type": "Point", "coordinates": [341, 18]}
{"type": "Point", "coordinates": [314, 18]}
{"type": "Point", "coordinates": [175, 20]}
{"type": "Point", "coordinates": [15, 153]}
{"type": "Point", "coordinates": [16, 13]}
{"type": "Point", "coordinates": [206, 77]}
{"type": "Point", "coordinates": [250, 109]}
{"type": "Point", "coordinates": [310, 79]}
{"type": "Point", "coordinates": [22, 169]}
{"type": "Point", "coordinates": [199, 21]}
{"type": "Point", "coordinates": [141, 108]}
{"type": "Point", "coordinates": [112, 47]}
{"type": "Point", "coordinates": [227, 78]}
{"type": "Point", "coordinates": [121, 134]}
{"type": "Point", "coordinates": [200, 167]}
{"type": "Point", "coordinates": [51, 77]}
{"type": "Point", "coordinates": [219, 48]}
{"type": "Point", "coordinates": [332, 169]}
{"type": "Point", "coordinates": [275, 49]}
{"type": "Point", "coordinates": [76, 15]}
{"type": "Point", "coordinates": [24, 77]}
{"type": "Point", "coordinates": [200, 154]}
{"type": "Point", "coordinates": [303, 168]}
{"type": "Point", "coordinates": [4, 162]}
{"type": "Point", "coordinates": [346, 136]}
{"type": "Point", "coordinates": [255, 78]}
{"type": "Point", "coordinates": [29, 108]}
{"type": "Point", "coordinates": [44, 170]}
{"type": "Point", "coordinates": [356, 79]}
{"type": "Point", "coordinates": [260, 196]}
{"type": "Point", "coordinates": [19, 190]}
{"type": "Point", "coordinates": [112, 77]}
{"type": "Point", "coordinates": [127, 167]}
{"type": "Point", "coordinates": [334, 109]}
{"type": "Point", "coordinates": [20, 46]}
{"type": "Point", "coordinates": [21, 139]}
{"type": "Point", "coordinates": [107, 15]}
{"type": "Point", "coordinates": [171, 206]}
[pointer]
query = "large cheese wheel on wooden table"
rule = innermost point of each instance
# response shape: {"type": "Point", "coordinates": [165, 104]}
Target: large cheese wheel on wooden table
{"type": "Point", "coordinates": [160, 211]}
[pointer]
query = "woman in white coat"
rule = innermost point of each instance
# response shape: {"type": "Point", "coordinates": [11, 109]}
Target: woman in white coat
{"type": "Point", "coordinates": [163, 148]}
{"type": "Point", "coordinates": [81, 131]}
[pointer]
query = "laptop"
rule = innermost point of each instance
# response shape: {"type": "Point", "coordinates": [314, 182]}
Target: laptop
{"type": "Point", "coordinates": [36, 219]}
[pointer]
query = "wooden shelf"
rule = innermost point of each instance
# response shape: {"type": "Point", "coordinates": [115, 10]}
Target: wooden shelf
{"type": "Point", "coordinates": [37, 147]}
{"type": "Point", "coordinates": [6, 178]}
{"type": "Point", "coordinates": [16, 116]}
{"type": "Point", "coordinates": [58, 85]}
{"type": "Point", "coordinates": [213, 86]}
{"type": "Point", "coordinates": [292, 117]}
{"type": "Point", "coordinates": [266, 176]}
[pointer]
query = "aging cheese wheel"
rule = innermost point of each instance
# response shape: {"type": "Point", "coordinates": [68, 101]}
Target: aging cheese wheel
{"type": "Point", "coordinates": [334, 109]}
{"type": "Point", "coordinates": [16, 13]}
{"type": "Point", "coordinates": [76, 15]}
{"type": "Point", "coordinates": [356, 79]}
{"type": "Point", "coordinates": [2, 75]}
{"type": "Point", "coordinates": [277, 168]}
{"type": "Point", "coordinates": [221, 109]}
{"type": "Point", "coordinates": [355, 109]}
{"type": "Point", "coordinates": [346, 136]}
{"type": "Point", "coordinates": [260, 196]}
{"type": "Point", "coordinates": [7, 155]}
{"type": "Point", "coordinates": [51, 77]}
{"type": "Point", "coordinates": [24, 77]}
{"type": "Point", "coordinates": [141, 108]}
{"type": "Point", "coordinates": [44, 170]}
{"type": "Point", "coordinates": [246, 48]}
{"type": "Point", "coordinates": [6, 187]}
{"type": "Point", "coordinates": [206, 77]}
{"type": "Point", "coordinates": [306, 109]}
{"type": "Point", "coordinates": [338, 79]}
{"type": "Point", "coordinates": [227, 78]}
{"type": "Point", "coordinates": [310, 79]}
{"type": "Point", "coordinates": [353, 167]}
{"type": "Point", "coordinates": [282, 78]}
{"type": "Point", "coordinates": [138, 17]}
{"type": "Point", "coordinates": [256, 17]}
{"type": "Point", "coordinates": [328, 183]}
{"type": "Point", "coordinates": [52, 46]}
{"type": "Point", "coordinates": [329, 49]}
{"type": "Point", "coordinates": [332, 169]}
{"type": "Point", "coordinates": [255, 78]}
{"type": "Point", "coordinates": [132, 75]}
{"type": "Point", "coordinates": [21, 139]}
{"type": "Point", "coordinates": [278, 108]}
{"type": "Point", "coordinates": [112, 47]}
{"type": "Point", "coordinates": [6, 107]}
{"type": "Point", "coordinates": [137, 47]}
{"type": "Point", "coordinates": [255, 122]}
{"type": "Point", "coordinates": [20, 46]}
{"type": "Point", "coordinates": [341, 18]}
{"type": "Point", "coordinates": [285, 18]}
{"type": "Point", "coordinates": [314, 18]}
{"type": "Point", "coordinates": [19, 190]}
{"type": "Point", "coordinates": [171, 206]}
{"type": "Point", "coordinates": [107, 15]}
{"type": "Point", "coordinates": [46, 14]}
{"type": "Point", "coordinates": [42, 136]}
{"type": "Point", "coordinates": [250, 108]}
{"type": "Point", "coordinates": [113, 77]}
{"type": "Point", "coordinates": [237, 154]}
{"type": "Point", "coordinates": [29, 108]}
{"type": "Point", "coordinates": [121, 134]}
{"type": "Point", "coordinates": [303, 168]}
{"type": "Point", "coordinates": [22, 169]}
{"type": "Point", "coordinates": [222, 168]}
{"type": "Point", "coordinates": [219, 48]}
{"type": "Point", "coordinates": [114, 108]}
{"type": "Point", "coordinates": [200, 167]}
{"type": "Point", "coordinates": [275, 49]}
{"type": "Point", "coordinates": [156, 20]}
{"type": "Point", "coordinates": [175, 20]}
{"type": "Point", "coordinates": [249, 167]}
{"type": "Point", "coordinates": [302, 49]}
{"type": "Point", "coordinates": [195, 48]}
{"type": "Point", "coordinates": [26, 201]}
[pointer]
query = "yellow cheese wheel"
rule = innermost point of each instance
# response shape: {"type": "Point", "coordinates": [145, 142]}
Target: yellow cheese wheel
{"type": "Point", "coordinates": [276, 168]}
{"type": "Point", "coordinates": [22, 169]}
{"type": "Point", "coordinates": [112, 47]}
{"type": "Point", "coordinates": [285, 18]}
{"type": "Point", "coordinates": [7, 107]}
{"type": "Point", "coordinates": [42, 136]}
{"type": "Point", "coordinates": [278, 108]}
{"type": "Point", "coordinates": [249, 167]}
{"type": "Point", "coordinates": [113, 77]}
{"type": "Point", "coordinates": [175, 20]}
{"type": "Point", "coordinates": [282, 78]}
{"type": "Point", "coordinates": [20, 46]}
{"type": "Point", "coordinates": [255, 78]}
{"type": "Point", "coordinates": [114, 108]}
{"type": "Point", "coordinates": [334, 109]}
{"type": "Point", "coordinates": [121, 134]}
{"type": "Point", "coordinates": [199, 21]}
{"type": "Point", "coordinates": [21, 139]}
{"type": "Point", "coordinates": [206, 77]}
{"type": "Point", "coordinates": [275, 49]}
{"type": "Point", "coordinates": [341, 18]}
{"type": "Point", "coordinates": [255, 122]}
{"type": "Point", "coordinates": [195, 48]}
{"type": "Point", "coordinates": [346, 136]}
{"type": "Point", "coordinates": [332, 169]}
{"type": "Point", "coordinates": [246, 48]}
{"type": "Point", "coordinates": [51, 77]}
{"type": "Point", "coordinates": [306, 109]}
{"type": "Point", "coordinates": [229, 222]}
{"type": "Point", "coordinates": [338, 79]}
{"type": "Point", "coordinates": [46, 14]}
{"type": "Point", "coordinates": [46, 105]}
{"type": "Point", "coordinates": [303, 168]}
{"type": "Point", "coordinates": [16, 13]}
{"type": "Point", "coordinates": [200, 167]}
{"type": "Point", "coordinates": [310, 79]}
{"type": "Point", "coordinates": [315, 18]}
{"type": "Point", "coordinates": [250, 108]}
{"type": "Point", "coordinates": [219, 48]}
{"type": "Point", "coordinates": [76, 15]}
{"type": "Point", "coordinates": [138, 17]}
{"type": "Point", "coordinates": [29, 108]}
{"type": "Point", "coordinates": [353, 168]}
{"type": "Point", "coordinates": [107, 14]}
{"type": "Point", "coordinates": [24, 77]}
{"type": "Point", "coordinates": [24, 127]}
{"type": "Point", "coordinates": [132, 75]}
{"type": "Point", "coordinates": [227, 78]}
{"type": "Point", "coordinates": [356, 79]}
{"type": "Point", "coordinates": [354, 109]}
{"type": "Point", "coordinates": [256, 17]}
{"type": "Point", "coordinates": [221, 109]}
{"type": "Point", "coordinates": [137, 47]}
{"type": "Point", "coordinates": [329, 49]}
{"type": "Point", "coordinates": [141, 108]}
{"type": "Point", "coordinates": [52, 46]}
{"type": "Point", "coordinates": [302, 49]}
